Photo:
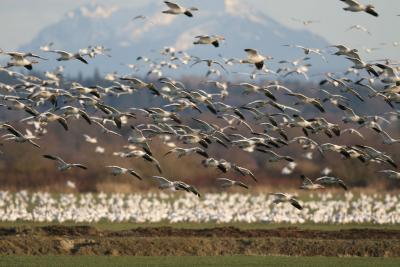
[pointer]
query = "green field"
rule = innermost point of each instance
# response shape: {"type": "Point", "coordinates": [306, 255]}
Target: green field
{"type": "Point", "coordinates": [231, 261]}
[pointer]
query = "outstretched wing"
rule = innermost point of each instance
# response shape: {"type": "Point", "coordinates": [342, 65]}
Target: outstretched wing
{"type": "Point", "coordinates": [172, 5]}
{"type": "Point", "coordinates": [54, 158]}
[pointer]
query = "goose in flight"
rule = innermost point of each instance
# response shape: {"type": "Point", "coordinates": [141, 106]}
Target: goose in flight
{"type": "Point", "coordinates": [176, 9]}
{"type": "Point", "coordinates": [187, 151]}
{"type": "Point", "coordinates": [145, 156]}
{"type": "Point", "coordinates": [274, 157]}
{"type": "Point", "coordinates": [282, 198]}
{"type": "Point", "coordinates": [305, 22]}
{"type": "Point", "coordinates": [359, 65]}
{"type": "Point", "coordinates": [253, 57]}
{"type": "Point", "coordinates": [105, 130]}
{"type": "Point", "coordinates": [225, 182]}
{"type": "Point", "coordinates": [75, 112]}
{"type": "Point", "coordinates": [209, 62]}
{"type": "Point", "coordinates": [309, 185]}
{"type": "Point", "coordinates": [352, 131]}
{"type": "Point", "coordinates": [116, 170]}
{"type": "Point", "coordinates": [19, 59]}
{"type": "Point", "coordinates": [62, 165]}
{"type": "Point", "coordinates": [207, 39]}
{"type": "Point", "coordinates": [329, 180]}
{"type": "Point", "coordinates": [308, 51]}
{"type": "Point", "coordinates": [176, 185]}
{"type": "Point", "coordinates": [387, 139]}
{"type": "Point", "coordinates": [68, 56]}
{"type": "Point", "coordinates": [345, 51]}
{"type": "Point", "coordinates": [355, 6]}
{"type": "Point", "coordinates": [391, 174]}
{"type": "Point", "coordinates": [17, 136]}
{"type": "Point", "coordinates": [359, 27]}
{"type": "Point", "coordinates": [138, 139]}
{"type": "Point", "coordinates": [307, 100]}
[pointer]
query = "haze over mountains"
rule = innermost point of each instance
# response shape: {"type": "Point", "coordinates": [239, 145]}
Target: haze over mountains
{"type": "Point", "coordinates": [113, 27]}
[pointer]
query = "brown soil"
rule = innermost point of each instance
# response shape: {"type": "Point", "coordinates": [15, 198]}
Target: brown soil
{"type": "Point", "coordinates": [160, 241]}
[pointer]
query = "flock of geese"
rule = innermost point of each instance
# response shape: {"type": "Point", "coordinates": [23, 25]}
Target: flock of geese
{"type": "Point", "coordinates": [32, 94]}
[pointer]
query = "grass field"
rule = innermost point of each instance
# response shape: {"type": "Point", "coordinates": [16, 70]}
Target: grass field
{"type": "Point", "coordinates": [231, 261]}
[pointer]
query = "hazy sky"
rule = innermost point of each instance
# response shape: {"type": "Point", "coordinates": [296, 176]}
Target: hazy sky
{"type": "Point", "coordinates": [21, 20]}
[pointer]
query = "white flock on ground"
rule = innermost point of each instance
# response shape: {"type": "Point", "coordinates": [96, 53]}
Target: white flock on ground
{"type": "Point", "coordinates": [153, 207]}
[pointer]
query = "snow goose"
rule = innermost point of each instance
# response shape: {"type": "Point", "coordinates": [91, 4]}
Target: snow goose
{"type": "Point", "coordinates": [329, 180]}
{"type": "Point", "coordinates": [62, 165]}
{"type": "Point", "coordinates": [64, 55]}
{"type": "Point", "coordinates": [225, 182]}
{"type": "Point", "coordinates": [116, 170]}
{"type": "Point", "coordinates": [355, 6]}
{"type": "Point", "coordinates": [282, 198]}
{"type": "Point", "coordinates": [176, 9]}
{"type": "Point", "coordinates": [309, 185]}
{"type": "Point", "coordinates": [207, 39]}
{"type": "Point", "coordinates": [253, 57]}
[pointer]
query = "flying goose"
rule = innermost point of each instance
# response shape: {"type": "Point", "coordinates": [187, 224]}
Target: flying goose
{"type": "Point", "coordinates": [328, 180]}
{"type": "Point", "coordinates": [225, 182]}
{"type": "Point", "coordinates": [391, 174]}
{"type": "Point", "coordinates": [282, 198]}
{"type": "Point", "coordinates": [359, 65]}
{"type": "Point", "coordinates": [145, 156]}
{"type": "Point", "coordinates": [305, 22]}
{"type": "Point", "coordinates": [76, 112]}
{"type": "Point", "coordinates": [116, 170]}
{"type": "Point", "coordinates": [359, 27]}
{"type": "Point", "coordinates": [176, 185]}
{"type": "Point", "coordinates": [17, 136]}
{"type": "Point", "coordinates": [207, 39]}
{"type": "Point", "coordinates": [253, 57]}
{"type": "Point", "coordinates": [64, 55]}
{"type": "Point", "coordinates": [62, 165]}
{"type": "Point", "coordinates": [309, 185]}
{"type": "Point", "coordinates": [345, 51]}
{"type": "Point", "coordinates": [355, 6]}
{"type": "Point", "coordinates": [307, 100]}
{"type": "Point", "coordinates": [187, 151]}
{"type": "Point", "coordinates": [138, 139]}
{"type": "Point", "coordinates": [176, 9]}
{"type": "Point", "coordinates": [387, 139]}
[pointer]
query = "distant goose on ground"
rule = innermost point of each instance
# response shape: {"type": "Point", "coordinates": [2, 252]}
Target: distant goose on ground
{"type": "Point", "coordinates": [116, 170]}
{"type": "Point", "coordinates": [62, 165]}
{"type": "Point", "coordinates": [355, 6]}
{"type": "Point", "coordinates": [91, 140]}
{"type": "Point", "coordinates": [176, 9]}
{"type": "Point", "coordinates": [225, 182]}
{"type": "Point", "coordinates": [282, 198]}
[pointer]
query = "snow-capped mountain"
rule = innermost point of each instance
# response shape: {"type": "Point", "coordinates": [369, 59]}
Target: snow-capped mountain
{"type": "Point", "coordinates": [113, 27]}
